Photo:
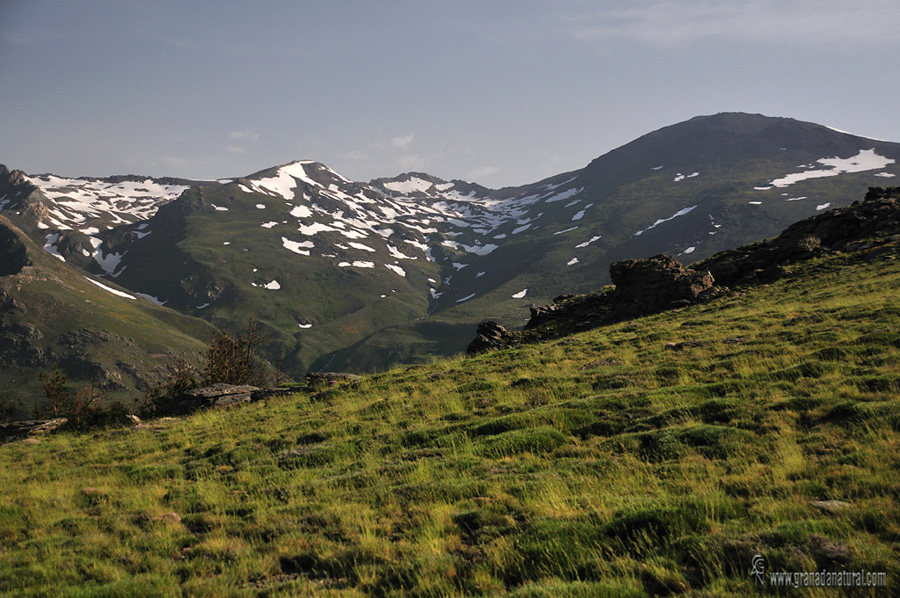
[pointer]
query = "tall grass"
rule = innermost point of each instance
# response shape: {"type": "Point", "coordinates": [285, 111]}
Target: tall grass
{"type": "Point", "coordinates": [603, 464]}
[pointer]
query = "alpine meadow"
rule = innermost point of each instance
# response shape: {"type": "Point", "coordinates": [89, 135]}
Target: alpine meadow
{"type": "Point", "coordinates": [671, 372]}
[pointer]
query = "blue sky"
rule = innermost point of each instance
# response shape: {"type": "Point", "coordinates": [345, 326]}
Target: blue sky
{"type": "Point", "coordinates": [497, 92]}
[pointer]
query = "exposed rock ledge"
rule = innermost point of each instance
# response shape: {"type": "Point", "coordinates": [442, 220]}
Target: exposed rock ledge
{"type": "Point", "coordinates": [646, 286]}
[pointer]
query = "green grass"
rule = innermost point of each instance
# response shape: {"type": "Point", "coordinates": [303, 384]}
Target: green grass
{"type": "Point", "coordinates": [602, 464]}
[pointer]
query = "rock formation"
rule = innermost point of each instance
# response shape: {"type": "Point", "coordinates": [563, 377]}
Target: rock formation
{"type": "Point", "coordinates": [645, 286]}
{"type": "Point", "coordinates": [491, 335]}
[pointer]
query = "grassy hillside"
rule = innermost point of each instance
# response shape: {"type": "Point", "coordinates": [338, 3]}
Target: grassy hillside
{"type": "Point", "coordinates": [610, 463]}
{"type": "Point", "coordinates": [51, 313]}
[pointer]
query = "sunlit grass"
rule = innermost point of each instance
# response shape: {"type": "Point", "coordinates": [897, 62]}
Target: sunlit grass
{"type": "Point", "coordinates": [600, 464]}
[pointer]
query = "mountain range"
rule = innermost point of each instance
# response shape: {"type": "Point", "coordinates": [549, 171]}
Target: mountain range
{"type": "Point", "coordinates": [353, 276]}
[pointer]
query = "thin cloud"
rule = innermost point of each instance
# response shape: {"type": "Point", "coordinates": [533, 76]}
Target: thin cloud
{"type": "Point", "coordinates": [403, 142]}
{"type": "Point", "coordinates": [244, 136]}
{"type": "Point", "coordinates": [675, 22]}
{"type": "Point", "coordinates": [412, 162]}
{"type": "Point", "coordinates": [483, 172]}
{"type": "Point", "coordinates": [356, 155]}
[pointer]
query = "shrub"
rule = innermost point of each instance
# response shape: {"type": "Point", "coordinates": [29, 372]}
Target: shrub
{"type": "Point", "coordinates": [228, 360]}
{"type": "Point", "coordinates": [233, 360]}
{"type": "Point", "coordinates": [84, 409]}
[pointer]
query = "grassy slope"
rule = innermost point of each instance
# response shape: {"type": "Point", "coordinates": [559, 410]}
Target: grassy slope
{"type": "Point", "coordinates": [600, 464]}
{"type": "Point", "coordinates": [130, 339]}
{"type": "Point", "coordinates": [722, 191]}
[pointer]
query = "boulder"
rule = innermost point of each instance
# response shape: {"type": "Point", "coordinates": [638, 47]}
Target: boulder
{"type": "Point", "coordinates": [490, 336]}
{"type": "Point", "coordinates": [30, 427]}
{"type": "Point", "coordinates": [650, 285]}
{"type": "Point", "coordinates": [319, 380]}
{"type": "Point", "coordinates": [208, 397]}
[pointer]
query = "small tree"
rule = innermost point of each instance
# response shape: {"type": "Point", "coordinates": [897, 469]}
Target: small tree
{"type": "Point", "coordinates": [227, 360]}
{"type": "Point", "coordinates": [183, 376]}
{"type": "Point", "coordinates": [231, 360]}
{"type": "Point", "coordinates": [84, 409]}
{"type": "Point", "coordinates": [54, 385]}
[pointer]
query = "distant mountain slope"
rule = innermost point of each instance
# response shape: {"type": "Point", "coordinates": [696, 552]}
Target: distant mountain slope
{"type": "Point", "coordinates": [53, 313]}
{"type": "Point", "coordinates": [352, 275]}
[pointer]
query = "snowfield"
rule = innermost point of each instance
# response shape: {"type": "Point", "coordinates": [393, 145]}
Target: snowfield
{"type": "Point", "coordinates": [861, 162]}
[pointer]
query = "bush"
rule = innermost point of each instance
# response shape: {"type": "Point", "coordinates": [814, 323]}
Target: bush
{"type": "Point", "coordinates": [228, 360]}
{"type": "Point", "coordinates": [231, 360]}
{"type": "Point", "coordinates": [84, 409]}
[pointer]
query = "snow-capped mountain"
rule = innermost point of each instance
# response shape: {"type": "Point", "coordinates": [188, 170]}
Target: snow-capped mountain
{"type": "Point", "coordinates": [354, 275]}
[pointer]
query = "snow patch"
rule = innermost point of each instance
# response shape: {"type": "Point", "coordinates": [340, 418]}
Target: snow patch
{"type": "Point", "coordinates": [296, 246]}
{"type": "Point", "coordinates": [272, 286]}
{"type": "Point", "coordinates": [110, 289]}
{"type": "Point", "coordinates": [150, 298]}
{"type": "Point", "coordinates": [396, 269]}
{"type": "Point", "coordinates": [413, 185]}
{"type": "Point", "coordinates": [50, 246]}
{"type": "Point", "coordinates": [466, 298]}
{"type": "Point", "coordinates": [861, 162]}
{"type": "Point", "coordinates": [109, 262]}
{"type": "Point", "coordinates": [586, 243]}
{"type": "Point", "coordinates": [564, 195]}
{"type": "Point", "coordinates": [480, 249]}
{"type": "Point", "coordinates": [314, 228]}
{"type": "Point", "coordinates": [301, 212]}
{"type": "Point", "coordinates": [360, 246]}
{"type": "Point", "coordinates": [520, 294]}
{"type": "Point", "coordinates": [568, 230]}
{"type": "Point", "coordinates": [268, 224]}
{"type": "Point", "coordinates": [572, 261]}
{"type": "Point", "coordinates": [396, 253]}
{"type": "Point", "coordinates": [260, 206]}
{"type": "Point", "coordinates": [357, 264]}
{"type": "Point", "coordinates": [823, 206]}
{"type": "Point", "coordinates": [680, 212]}
{"type": "Point", "coordinates": [886, 175]}
{"type": "Point", "coordinates": [680, 177]}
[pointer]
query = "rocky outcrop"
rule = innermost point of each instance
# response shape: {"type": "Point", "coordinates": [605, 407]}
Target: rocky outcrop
{"type": "Point", "coordinates": [208, 397]}
{"type": "Point", "coordinates": [29, 428]}
{"type": "Point", "coordinates": [835, 230]}
{"type": "Point", "coordinates": [642, 287]}
{"type": "Point", "coordinates": [322, 380]}
{"type": "Point", "coordinates": [13, 252]}
{"type": "Point", "coordinates": [491, 336]}
{"type": "Point", "coordinates": [655, 284]}
{"type": "Point", "coordinates": [646, 286]}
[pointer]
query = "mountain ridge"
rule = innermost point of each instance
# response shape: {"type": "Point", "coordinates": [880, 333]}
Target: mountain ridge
{"type": "Point", "coordinates": [344, 273]}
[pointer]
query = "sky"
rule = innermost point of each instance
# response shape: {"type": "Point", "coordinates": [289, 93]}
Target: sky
{"type": "Point", "coordinates": [499, 92]}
